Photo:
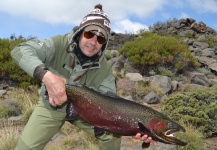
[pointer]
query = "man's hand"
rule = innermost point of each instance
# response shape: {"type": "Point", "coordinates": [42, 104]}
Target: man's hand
{"type": "Point", "coordinates": [55, 86]}
{"type": "Point", "coordinates": [145, 139]}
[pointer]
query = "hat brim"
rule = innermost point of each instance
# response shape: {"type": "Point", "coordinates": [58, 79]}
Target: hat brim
{"type": "Point", "coordinates": [96, 28]}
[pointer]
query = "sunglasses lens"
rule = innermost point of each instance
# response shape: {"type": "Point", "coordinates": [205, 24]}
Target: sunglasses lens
{"type": "Point", "coordinates": [101, 40]}
{"type": "Point", "coordinates": [89, 35]}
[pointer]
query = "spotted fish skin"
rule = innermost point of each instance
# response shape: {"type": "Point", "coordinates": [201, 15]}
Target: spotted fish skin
{"type": "Point", "coordinates": [120, 116]}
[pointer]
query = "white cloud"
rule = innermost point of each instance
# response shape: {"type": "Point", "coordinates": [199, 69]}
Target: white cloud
{"type": "Point", "coordinates": [125, 15]}
{"type": "Point", "coordinates": [127, 26]}
{"type": "Point", "coordinates": [72, 11]}
{"type": "Point", "coordinates": [204, 6]}
{"type": "Point", "coordinates": [50, 11]}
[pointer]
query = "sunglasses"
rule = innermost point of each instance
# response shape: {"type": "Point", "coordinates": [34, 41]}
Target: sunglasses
{"type": "Point", "coordinates": [90, 34]}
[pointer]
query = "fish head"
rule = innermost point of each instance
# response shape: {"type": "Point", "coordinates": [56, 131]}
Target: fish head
{"type": "Point", "coordinates": [164, 130]}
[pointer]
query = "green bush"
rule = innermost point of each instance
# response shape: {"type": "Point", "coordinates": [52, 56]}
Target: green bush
{"type": "Point", "coordinates": [198, 108]}
{"type": "Point", "coordinates": [154, 50]}
{"type": "Point", "coordinates": [7, 66]}
{"type": "Point", "coordinates": [165, 72]}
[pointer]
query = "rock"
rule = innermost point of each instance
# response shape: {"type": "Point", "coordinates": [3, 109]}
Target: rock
{"type": "Point", "coordinates": [15, 118]}
{"type": "Point", "coordinates": [208, 52]}
{"type": "Point", "coordinates": [4, 86]}
{"type": "Point", "coordinates": [186, 32]}
{"type": "Point", "coordinates": [129, 98]}
{"type": "Point", "coordinates": [201, 45]}
{"type": "Point", "coordinates": [163, 82]}
{"type": "Point", "coordinates": [206, 60]}
{"type": "Point", "coordinates": [117, 66]}
{"type": "Point", "coordinates": [126, 86]}
{"type": "Point", "coordinates": [12, 107]}
{"type": "Point", "coordinates": [213, 67]}
{"type": "Point", "coordinates": [3, 92]}
{"type": "Point", "coordinates": [192, 87]}
{"type": "Point", "coordinates": [202, 38]}
{"type": "Point", "coordinates": [151, 98]}
{"type": "Point", "coordinates": [175, 85]}
{"type": "Point", "coordinates": [129, 68]}
{"type": "Point", "coordinates": [198, 78]}
{"type": "Point", "coordinates": [213, 81]}
{"type": "Point", "coordinates": [134, 76]}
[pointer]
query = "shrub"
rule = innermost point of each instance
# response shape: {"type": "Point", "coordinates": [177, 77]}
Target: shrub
{"type": "Point", "coordinates": [166, 72]}
{"type": "Point", "coordinates": [152, 50]}
{"type": "Point", "coordinates": [198, 108]}
{"type": "Point", "coordinates": [7, 65]}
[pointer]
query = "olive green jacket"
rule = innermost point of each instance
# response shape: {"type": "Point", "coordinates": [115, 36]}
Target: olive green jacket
{"type": "Point", "coordinates": [51, 53]}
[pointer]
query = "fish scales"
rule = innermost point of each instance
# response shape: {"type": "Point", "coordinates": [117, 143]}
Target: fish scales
{"type": "Point", "coordinates": [121, 116]}
{"type": "Point", "coordinates": [110, 108]}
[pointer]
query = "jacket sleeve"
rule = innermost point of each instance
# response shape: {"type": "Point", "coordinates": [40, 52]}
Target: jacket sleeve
{"type": "Point", "coordinates": [33, 53]}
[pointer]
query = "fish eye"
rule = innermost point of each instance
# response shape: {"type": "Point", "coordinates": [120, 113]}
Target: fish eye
{"type": "Point", "coordinates": [169, 124]}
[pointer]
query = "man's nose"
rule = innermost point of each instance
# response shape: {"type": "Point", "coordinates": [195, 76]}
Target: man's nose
{"type": "Point", "coordinates": [94, 40]}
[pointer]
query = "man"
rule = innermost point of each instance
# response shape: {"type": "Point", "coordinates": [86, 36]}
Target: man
{"type": "Point", "coordinates": [74, 57]}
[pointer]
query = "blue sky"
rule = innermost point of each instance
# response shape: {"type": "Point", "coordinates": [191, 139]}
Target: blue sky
{"type": "Point", "coordinates": [46, 18]}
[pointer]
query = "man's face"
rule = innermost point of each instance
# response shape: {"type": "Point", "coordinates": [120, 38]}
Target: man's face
{"type": "Point", "coordinates": [91, 42]}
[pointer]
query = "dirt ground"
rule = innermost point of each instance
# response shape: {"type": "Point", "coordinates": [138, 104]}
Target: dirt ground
{"type": "Point", "coordinates": [210, 144]}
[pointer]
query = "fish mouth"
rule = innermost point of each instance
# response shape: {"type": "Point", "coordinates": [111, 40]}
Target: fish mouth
{"type": "Point", "coordinates": [170, 137]}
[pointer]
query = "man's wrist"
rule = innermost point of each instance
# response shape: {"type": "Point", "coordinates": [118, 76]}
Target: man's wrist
{"type": "Point", "coordinates": [39, 73]}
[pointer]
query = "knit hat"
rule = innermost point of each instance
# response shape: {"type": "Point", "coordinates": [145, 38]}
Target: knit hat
{"type": "Point", "coordinates": [95, 20]}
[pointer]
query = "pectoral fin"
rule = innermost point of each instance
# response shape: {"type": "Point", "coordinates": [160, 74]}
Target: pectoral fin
{"type": "Point", "coordinates": [144, 129]}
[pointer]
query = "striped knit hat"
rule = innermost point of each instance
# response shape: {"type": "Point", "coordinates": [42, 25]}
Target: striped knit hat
{"type": "Point", "coordinates": [97, 17]}
{"type": "Point", "coordinates": [95, 20]}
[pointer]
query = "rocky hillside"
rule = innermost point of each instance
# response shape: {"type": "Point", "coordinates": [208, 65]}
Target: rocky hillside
{"type": "Point", "coordinates": [197, 36]}
{"type": "Point", "coordinates": [201, 42]}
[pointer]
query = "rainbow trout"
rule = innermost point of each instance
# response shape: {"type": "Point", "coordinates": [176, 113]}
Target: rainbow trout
{"type": "Point", "coordinates": [119, 116]}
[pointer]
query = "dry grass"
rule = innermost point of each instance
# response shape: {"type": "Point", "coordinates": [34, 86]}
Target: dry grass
{"type": "Point", "coordinates": [192, 136]}
{"type": "Point", "coordinates": [26, 100]}
{"type": "Point", "coordinates": [71, 137]}
{"type": "Point", "coordinates": [8, 135]}
{"type": "Point", "coordinates": [68, 138]}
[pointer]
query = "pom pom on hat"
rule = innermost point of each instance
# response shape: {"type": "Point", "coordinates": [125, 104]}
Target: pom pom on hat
{"type": "Point", "coordinates": [99, 6]}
